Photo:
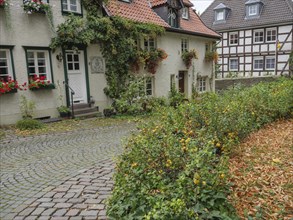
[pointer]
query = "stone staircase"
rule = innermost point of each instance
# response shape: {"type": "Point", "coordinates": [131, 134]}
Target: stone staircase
{"type": "Point", "coordinates": [85, 110]}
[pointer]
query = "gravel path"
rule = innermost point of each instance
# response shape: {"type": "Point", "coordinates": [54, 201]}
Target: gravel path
{"type": "Point", "coordinates": [60, 176]}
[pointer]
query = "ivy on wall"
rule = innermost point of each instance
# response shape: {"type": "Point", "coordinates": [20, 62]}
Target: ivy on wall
{"type": "Point", "coordinates": [118, 38]}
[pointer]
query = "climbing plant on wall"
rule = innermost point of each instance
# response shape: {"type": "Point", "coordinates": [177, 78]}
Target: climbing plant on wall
{"type": "Point", "coordinates": [118, 39]}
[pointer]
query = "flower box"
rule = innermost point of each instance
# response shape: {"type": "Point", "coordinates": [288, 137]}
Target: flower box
{"type": "Point", "coordinates": [3, 3]}
{"type": "Point", "coordinates": [9, 91]}
{"type": "Point", "coordinates": [42, 87]}
{"type": "Point", "coordinates": [35, 6]}
{"type": "Point", "coordinates": [8, 86]}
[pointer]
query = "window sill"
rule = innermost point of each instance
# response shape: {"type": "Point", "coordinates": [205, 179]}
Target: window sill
{"type": "Point", "coordinates": [66, 13]}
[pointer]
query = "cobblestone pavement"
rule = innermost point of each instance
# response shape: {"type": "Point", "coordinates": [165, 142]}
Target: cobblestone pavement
{"type": "Point", "coordinates": [64, 176]}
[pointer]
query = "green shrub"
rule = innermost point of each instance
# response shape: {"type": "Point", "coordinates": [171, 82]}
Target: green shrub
{"type": "Point", "coordinates": [176, 166]}
{"type": "Point", "coordinates": [175, 97]}
{"type": "Point", "coordinates": [29, 124]}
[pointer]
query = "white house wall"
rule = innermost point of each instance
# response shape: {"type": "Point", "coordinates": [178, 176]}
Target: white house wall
{"type": "Point", "coordinates": [34, 31]}
{"type": "Point", "coordinates": [171, 43]}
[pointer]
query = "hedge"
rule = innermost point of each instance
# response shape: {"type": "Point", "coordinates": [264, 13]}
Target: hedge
{"type": "Point", "coordinates": [176, 166]}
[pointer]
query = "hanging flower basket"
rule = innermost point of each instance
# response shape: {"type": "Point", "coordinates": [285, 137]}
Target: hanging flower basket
{"type": "Point", "coordinates": [35, 6]}
{"type": "Point", "coordinates": [187, 57]}
{"type": "Point", "coordinates": [153, 59]}
{"type": "Point", "coordinates": [211, 56]}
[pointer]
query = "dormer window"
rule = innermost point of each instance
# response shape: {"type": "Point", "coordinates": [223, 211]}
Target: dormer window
{"type": "Point", "coordinates": [221, 13]}
{"type": "Point", "coordinates": [172, 18]}
{"type": "Point", "coordinates": [253, 8]}
{"type": "Point", "coordinates": [185, 12]}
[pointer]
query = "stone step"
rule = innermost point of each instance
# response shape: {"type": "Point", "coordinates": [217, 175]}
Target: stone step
{"type": "Point", "coordinates": [85, 110]}
{"type": "Point", "coordinates": [88, 115]}
{"type": "Point", "coordinates": [81, 105]}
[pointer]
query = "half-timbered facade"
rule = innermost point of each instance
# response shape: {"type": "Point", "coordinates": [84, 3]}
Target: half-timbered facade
{"type": "Point", "coordinates": [256, 37]}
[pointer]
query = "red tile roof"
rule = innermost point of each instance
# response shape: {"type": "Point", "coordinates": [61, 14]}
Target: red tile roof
{"type": "Point", "coordinates": [195, 24]}
{"type": "Point", "coordinates": [141, 11]}
{"type": "Point", "coordinates": [157, 2]}
{"type": "Point", "coordinates": [137, 10]}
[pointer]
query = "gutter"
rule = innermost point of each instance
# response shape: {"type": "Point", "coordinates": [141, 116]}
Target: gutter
{"type": "Point", "coordinates": [192, 33]}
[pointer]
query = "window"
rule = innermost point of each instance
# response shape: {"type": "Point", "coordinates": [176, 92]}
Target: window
{"type": "Point", "coordinates": [71, 6]}
{"type": "Point", "coordinates": [72, 61]}
{"type": "Point", "coordinates": [270, 63]}
{"type": "Point", "coordinates": [220, 15]}
{"type": "Point", "coordinates": [258, 36]}
{"type": "Point", "coordinates": [172, 81]}
{"type": "Point", "coordinates": [233, 64]}
{"type": "Point", "coordinates": [208, 47]}
{"type": "Point", "coordinates": [6, 65]}
{"type": "Point", "coordinates": [172, 18]}
{"type": "Point", "coordinates": [150, 44]}
{"type": "Point", "coordinates": [271, 35]}
{"type": "Point", "coordinates": [184, 45]}
{"type": "Point", "coordinates": [252, 10]}
{"type": "Point", "coordinates": [185, 12]}
{"type": "Point", "coordinates": [38, 63]}
{"type": "Point", "coordinates": [258, 63]}
{"type": "Point", "coordinates": [202, 85]}
{"type": "Point", "coordinates": [149, 86]}
{"type": "Point", "coordinates": [233, 38]}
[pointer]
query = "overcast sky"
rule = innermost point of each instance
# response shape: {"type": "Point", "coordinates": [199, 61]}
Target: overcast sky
{"type": "Point", "coordinates": [201, 5]}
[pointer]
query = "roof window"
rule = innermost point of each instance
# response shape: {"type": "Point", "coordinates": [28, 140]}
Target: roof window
{"type": "Point", "coordinates": [221, 13]}
{"type": "Point", "coordinates": [253, 8]}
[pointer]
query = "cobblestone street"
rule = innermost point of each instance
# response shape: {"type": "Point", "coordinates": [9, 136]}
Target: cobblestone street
{"type": "Point", "coordinates": [59, 176]}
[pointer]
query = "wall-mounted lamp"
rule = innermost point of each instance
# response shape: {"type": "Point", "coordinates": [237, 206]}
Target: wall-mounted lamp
{"type": "Point", "coordinates": [59, 57]}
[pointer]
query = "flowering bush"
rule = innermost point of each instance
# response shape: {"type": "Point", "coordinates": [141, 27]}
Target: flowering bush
{"type": "Point", "coordinates": [4, 3]}
{"type": "Point", "coordinates": [8, 86]}
{"type": "Point", "coordinates": [175, 167]}
{"type": "Point", "coordinates": [41, 82]}
{"type": "Point", "coordinates": [31, 6]}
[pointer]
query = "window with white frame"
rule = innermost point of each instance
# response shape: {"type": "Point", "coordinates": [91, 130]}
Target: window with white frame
{"type": "Point", "coordinates": [220, 15]}
{"type": "Point", "coordinates": [149, 44]}
{"type": "Point", "coordinates": [202, 84]}
{"type": "Point", "coordinates": [258, 63]}
{"type": "Point", "coordinates": [71, 6]}
{"type": "Point", "coordinates": [185, 12]}
{"type": "Point", "coordinates": [233, 64]}
{"type": "Point", "coordinates": [271, 35]}
{"type": "Point", "coordinates": [270, 63]}
{"type": "Point", "coordinates": [6, 69]}
{"type": "Point", "coordinates": [253, 10]}
{"type": "Point", "coordinates": [172, 17]}
{"type": "Point", "coordinates": [172, 81]}
{"type": "Point", "coordinates": [233, 38]}
{"type": "Point", "coordinates": [38, 64]}
{"type": "Point", "coordinates": [184, 45]}
{"type": "Point", "coordinates": [149, 86]}
{"type": "Point", "coordinates": [258, 36]}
